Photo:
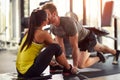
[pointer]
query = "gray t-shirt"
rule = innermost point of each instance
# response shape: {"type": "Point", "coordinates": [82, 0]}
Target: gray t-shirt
{"type": "Point", "coordinates": [69, 27]}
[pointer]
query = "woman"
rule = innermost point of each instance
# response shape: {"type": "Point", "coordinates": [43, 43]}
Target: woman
{"type": "Point", "coordinates": [32, 60]}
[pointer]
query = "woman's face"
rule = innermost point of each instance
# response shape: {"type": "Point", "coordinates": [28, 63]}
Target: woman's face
{"type": "Point", "coordinates": [46, 21]}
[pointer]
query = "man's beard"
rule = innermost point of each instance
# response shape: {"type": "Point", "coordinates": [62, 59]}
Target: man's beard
{"type": "Point", "coordinates": [49, 21]}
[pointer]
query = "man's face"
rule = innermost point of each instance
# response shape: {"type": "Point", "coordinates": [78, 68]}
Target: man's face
{"type": "Point", "coordinates": [56, 21]}
{"type": "Point", "coordinates": [49, 16]}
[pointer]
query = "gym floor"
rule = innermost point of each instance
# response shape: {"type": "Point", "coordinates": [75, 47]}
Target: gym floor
{"type": "Point", "coordinates": [7, 66]}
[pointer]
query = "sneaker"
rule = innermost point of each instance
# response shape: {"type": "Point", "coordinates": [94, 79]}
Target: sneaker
{"type": "Point", "coordinates": [116, 57]}
{"type": "Point", "coordinates": [101, 56]}
{"type": "Point", "coordinates": [56, 69]}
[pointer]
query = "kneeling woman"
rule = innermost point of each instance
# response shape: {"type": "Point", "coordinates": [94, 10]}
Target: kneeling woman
{"type": "Point", "coordinates": [31, 61]}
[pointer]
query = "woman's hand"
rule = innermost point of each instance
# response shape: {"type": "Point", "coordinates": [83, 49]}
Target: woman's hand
{"type": "Point", "coordinates": [75, 70]}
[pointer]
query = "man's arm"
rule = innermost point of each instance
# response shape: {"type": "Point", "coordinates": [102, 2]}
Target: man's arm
{"type": "Point", "coordinates": [74, 44]}
{"type": "Point", "coordinates": [75, 49]}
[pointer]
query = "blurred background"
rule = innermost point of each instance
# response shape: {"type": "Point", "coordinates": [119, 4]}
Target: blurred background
{"type": "Point", "coordinates": [101, 14]}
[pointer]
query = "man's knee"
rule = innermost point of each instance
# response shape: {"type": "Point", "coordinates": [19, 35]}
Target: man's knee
{"type": "Point", "coordinates": [81, 66]}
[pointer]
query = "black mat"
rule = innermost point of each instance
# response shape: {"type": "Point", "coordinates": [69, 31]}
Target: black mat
{"type": "Point", "coordinates": [76, 77]}
{"type": "Point", "coordinates": [107, 69]}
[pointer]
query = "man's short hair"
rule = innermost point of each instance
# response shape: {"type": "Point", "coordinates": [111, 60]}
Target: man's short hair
{"type": "Point", "coordinates": [49, 6]}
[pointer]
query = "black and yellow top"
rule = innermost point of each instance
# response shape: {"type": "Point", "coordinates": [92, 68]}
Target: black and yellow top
{"type": "Point", "coordinates": [26, 57]}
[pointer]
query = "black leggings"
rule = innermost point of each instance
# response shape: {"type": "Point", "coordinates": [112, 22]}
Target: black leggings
{"type": "Point", "coordinates": [42, 61]}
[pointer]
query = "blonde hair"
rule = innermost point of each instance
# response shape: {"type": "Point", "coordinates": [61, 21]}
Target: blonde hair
{"type": "Point", "coordinates": [50, 6]}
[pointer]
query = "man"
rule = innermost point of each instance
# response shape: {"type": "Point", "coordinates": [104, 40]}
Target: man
{"type": "Point", "coordinates": [79, 37]}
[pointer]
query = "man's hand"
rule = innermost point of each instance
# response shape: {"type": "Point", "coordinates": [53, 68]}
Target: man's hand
{"type": "Point", "coordinates": [75, 49]}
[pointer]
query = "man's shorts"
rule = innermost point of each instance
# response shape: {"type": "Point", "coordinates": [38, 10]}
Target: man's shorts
{"type": "Point", "coordinates": [88, 43]}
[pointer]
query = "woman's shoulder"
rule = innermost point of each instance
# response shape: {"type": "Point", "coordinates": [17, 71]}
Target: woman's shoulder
{"type": "Point", "coordinates": [44, 34]}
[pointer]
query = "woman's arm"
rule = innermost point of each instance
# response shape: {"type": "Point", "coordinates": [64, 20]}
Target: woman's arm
{"type": "Point", "coordinates": [61, 43]}
{"type": "Point", "coordinates": [48, 39]}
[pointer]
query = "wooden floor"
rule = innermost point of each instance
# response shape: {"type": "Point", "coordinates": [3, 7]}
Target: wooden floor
{"type": "Point", "coordinates": [8, 70]}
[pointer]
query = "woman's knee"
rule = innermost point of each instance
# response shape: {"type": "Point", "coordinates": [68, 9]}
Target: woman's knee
{"type": "Point", "coordinates": [56, 49]}
{"type": "Point", "coordinates": [55, 45]}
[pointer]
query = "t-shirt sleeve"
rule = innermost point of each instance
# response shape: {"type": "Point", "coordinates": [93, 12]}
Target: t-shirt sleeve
{"type": "Point", "coordinates": [57, 31]}
{"type": "Point", "coordinates": [71, 28]}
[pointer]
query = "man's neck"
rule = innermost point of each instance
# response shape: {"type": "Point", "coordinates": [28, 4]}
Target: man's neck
{"type": "Point", "coordinates": [58, 22]}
